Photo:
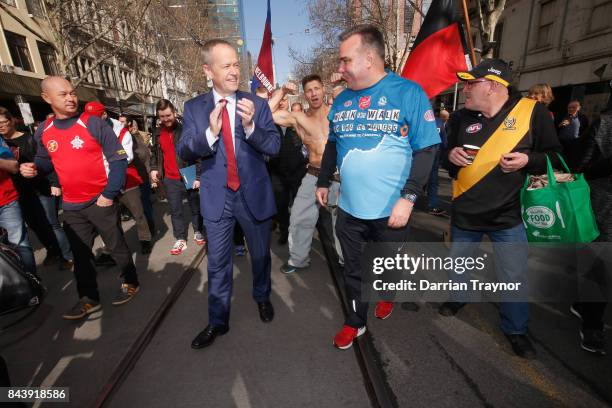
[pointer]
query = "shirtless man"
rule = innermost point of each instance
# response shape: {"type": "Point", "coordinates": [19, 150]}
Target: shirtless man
{"type": "Point", "coordinates": [312, 127]}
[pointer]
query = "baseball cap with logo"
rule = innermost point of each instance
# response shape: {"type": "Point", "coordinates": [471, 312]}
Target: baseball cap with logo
{"type": "Point", "coordinates": [95, 108]}
{"type": "Point", "coordinates": [493, 69]}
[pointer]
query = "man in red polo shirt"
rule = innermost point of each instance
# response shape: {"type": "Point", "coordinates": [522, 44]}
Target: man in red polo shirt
{"type": "Point", "coordinates": [166, 166]}
{"type": "Point", "coordinates": [91, 165]}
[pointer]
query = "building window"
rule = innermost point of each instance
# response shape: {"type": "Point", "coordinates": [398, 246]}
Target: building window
{"type": "Point", "coordinates": [19, 50]}
{"type": "Point", "coordinates": [35, 8]}
{"type": "Point", "coordinates": [47, 55]}
{"type": "Point", "coordinates": [545, 23]}
{"type": "Point", "coordinates": [600, 15]}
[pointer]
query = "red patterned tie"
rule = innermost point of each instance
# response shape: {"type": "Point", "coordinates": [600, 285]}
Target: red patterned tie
{"type": "Point", "coordinates": [233, 181]}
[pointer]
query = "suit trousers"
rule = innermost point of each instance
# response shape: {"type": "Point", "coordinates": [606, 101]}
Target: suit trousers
{"type": "Point", "coordinates": [220, 265]}
{"type": "Point", "coordinates": [81, 227]}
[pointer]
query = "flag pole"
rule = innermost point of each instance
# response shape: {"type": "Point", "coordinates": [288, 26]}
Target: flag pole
{"type": "Point", "coordinates": [469, 32]}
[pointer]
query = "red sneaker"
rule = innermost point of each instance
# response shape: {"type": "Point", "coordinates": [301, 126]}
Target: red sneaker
{"type": "Point", "coordinates": [179, 247]}
{"type": "Point", "coordinates": [383, 310]}
{"type": "Point", "coordinates": [344, 338]}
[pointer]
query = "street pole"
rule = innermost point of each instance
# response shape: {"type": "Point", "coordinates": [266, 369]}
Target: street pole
{"type": "Point", "coordinates": [455, 97]}
{"type": "Point", "coordinates": [468, 32]}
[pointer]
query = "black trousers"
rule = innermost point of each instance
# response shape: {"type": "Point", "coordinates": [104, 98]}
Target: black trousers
{"type": "Point", "coordinates": [81, 227]}
{"type": "Point", "coordinates": [238, 235]}
{"type": "Point", "coordinates": [285, 189]}
{"type": "Point", "coordinates": [353, 233]}
{"type": "Point", "coordinates": [175, 191]}
{"type": "Point", "coordinates": [35, 217]}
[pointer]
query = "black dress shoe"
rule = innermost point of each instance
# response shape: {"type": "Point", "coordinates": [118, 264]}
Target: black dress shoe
{"type": "Point", "coordinates": [266, 311]}
{"type": "Point", "coordinates": [450, 308]}
{"type": "Point", "coordinates": [207, 336]}
{"type": "Point", "coordinates": [521, 345]}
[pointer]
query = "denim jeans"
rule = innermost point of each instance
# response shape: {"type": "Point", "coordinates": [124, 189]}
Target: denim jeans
{"type": "Point", "coordinates": [510, 266]}
{"type": "Point", "coordinates": [50, 204]}
{"type": "Point", "coordinates": [175, 191]}
{"type": "Point", "coordinates": [12, 222]}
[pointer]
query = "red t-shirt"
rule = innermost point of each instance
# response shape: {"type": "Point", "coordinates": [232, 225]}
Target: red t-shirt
{"type": "Point", "coordinates": [132, 178]}
{"type": "Point", "coordinates": [166, 142]}
{"type": "Point", "coordinates": [8, 194]}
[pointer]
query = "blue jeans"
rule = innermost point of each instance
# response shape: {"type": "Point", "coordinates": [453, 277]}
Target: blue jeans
{"type": "Point", "coordinates": [510, 266]}
{"type": "Point", "coordinates": [50, 204]}
{"type": "Point", "coordinates": [12, 222]}
{"type": "Point", "coordinates": [432, 184]}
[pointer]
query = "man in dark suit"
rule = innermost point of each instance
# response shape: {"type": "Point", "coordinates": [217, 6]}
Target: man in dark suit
{"type": "Point", "coordinates": [231, 131]}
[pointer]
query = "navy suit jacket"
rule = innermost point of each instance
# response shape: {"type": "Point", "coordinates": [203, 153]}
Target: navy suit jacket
{"type": "Point", "coordinates": [254, 179]}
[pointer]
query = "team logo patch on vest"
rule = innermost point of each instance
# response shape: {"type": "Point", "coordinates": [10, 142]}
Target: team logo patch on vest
{"type": "Point", "coordinates": [473, 128]}
{"type": "Point", "coordinates": [348, 103]}
{"type": "Point", "coordinates": [364, 102]}
{"type": "Point", "coordinates": [382, 101]}
{"type": "Point", "coordinates": [77, 142]}
{"type": "Point", "coordinates": [404, 130]}
{"type": "Point", "coordinates": [52, 146]}
{"type": "Point", "coordinates": [429, 116]}
{"type": "Point", "coordinates": [509, 123]}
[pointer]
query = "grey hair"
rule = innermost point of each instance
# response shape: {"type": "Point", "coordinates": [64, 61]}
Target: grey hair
{"type": "Point", "coordinates": [209, 45]}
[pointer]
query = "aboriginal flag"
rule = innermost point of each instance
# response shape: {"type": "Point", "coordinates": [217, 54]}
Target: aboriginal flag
{"type": "Point", "coordinates": [264, 73]}
{"type": "Point", "coordinates": [440, 50]}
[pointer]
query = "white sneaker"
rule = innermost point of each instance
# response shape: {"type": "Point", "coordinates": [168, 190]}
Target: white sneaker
{"type": "Point", "coordinates": [179, 247]}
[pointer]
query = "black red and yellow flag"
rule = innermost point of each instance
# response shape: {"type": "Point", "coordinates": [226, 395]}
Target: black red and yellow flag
{"type": "Point", "coordinates": [440, 49]}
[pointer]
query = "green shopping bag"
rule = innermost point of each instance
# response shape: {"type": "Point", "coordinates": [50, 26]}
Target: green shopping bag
{"type": "Point", "coordinates": [559, 212]}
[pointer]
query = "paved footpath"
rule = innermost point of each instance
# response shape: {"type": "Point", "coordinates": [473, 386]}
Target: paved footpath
{"type": "Point", "coordinates": [427, 360]}
{"type": "Point", "coordinates": [465, 361]}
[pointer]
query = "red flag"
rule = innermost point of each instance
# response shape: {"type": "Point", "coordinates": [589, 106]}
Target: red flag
{"type": "Point", "coordinates": [264, 73]}
{"type": "Point", "coordinates": [439, 50]}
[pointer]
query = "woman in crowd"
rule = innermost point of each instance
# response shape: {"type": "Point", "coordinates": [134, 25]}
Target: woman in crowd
{"type": "Point", "coordinates": [38, 196]}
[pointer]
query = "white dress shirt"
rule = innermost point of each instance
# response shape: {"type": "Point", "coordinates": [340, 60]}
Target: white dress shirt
{"type": "Point", "coordinates": [231, 111]}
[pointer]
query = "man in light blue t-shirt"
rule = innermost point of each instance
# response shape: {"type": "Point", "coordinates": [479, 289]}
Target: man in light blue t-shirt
{"type": "Point", "coordinates": [382, 137]}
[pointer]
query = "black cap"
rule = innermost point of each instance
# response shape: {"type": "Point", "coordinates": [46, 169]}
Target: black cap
{"type": "Point", "coordinates": [494, 69]}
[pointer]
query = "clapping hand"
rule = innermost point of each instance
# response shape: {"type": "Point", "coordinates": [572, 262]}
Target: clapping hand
{"type": "Point", "coordinates": [246, 110]}
{"type": "Point", "coordinates": [216, 118]}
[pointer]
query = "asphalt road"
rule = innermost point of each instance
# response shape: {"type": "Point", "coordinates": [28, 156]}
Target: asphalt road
{"type": "Point", "coordinates": [427, 360]}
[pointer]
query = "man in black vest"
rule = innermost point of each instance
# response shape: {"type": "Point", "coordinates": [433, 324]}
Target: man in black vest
{"type": "Point", "coordinates": [486, 196]}
{"type": "Point", "coordinates": [286, 172]}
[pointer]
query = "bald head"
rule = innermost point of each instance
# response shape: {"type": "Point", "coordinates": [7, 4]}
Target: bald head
{"type": "Point", "coordinates": [52, 82]}
{"type": "Point", "coordinates": [60, 94]}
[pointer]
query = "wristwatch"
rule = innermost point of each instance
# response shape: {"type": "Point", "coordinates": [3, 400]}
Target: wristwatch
{"type": "Point", "coordinates": [410, 197]}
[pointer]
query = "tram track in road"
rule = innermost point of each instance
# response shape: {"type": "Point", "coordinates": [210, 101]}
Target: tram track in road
{"type": "Point", "coordinates": [127, 363]}
{"type": "Point", "coordinates": [368, 358]}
